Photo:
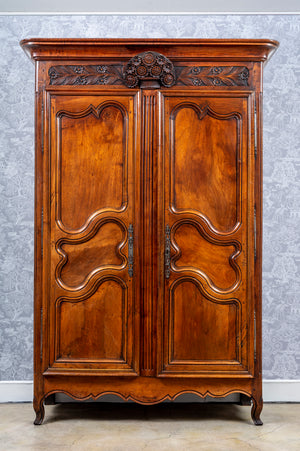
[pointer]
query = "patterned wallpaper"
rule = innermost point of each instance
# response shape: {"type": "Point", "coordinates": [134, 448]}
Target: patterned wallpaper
{"type": "Point", "coordinates": [281, 281]}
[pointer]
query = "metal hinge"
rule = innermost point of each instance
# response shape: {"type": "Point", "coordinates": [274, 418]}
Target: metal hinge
{"type": "Point", "coordinates": [255, 130]}
{"type": "Point", "coordinates": [130, 250]}
{"type": "Point", "coordinates": [167, 251]}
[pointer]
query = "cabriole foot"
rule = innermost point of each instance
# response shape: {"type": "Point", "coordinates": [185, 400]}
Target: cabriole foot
{"type": "Point", "coordinates": [256, 409]}
{"type": "Point", "coordinates": [40, 412]}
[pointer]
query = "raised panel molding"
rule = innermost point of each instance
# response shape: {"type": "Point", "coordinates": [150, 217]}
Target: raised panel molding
{"type": "Point", "coordinates": [182, 365]}
{"type": "Point", "coordinates": [79, 299]}
{"type": "Point", "coordinates": [230, 262]}
{"type": "Point", "coordinates": [91, 303]}
{"type": "Point", "coordinates": [203, 110]}
{"type": "Point", "coordinates": [101, 111]}
{"type": "Point", "coordinates": [63, 364]}
{"type": "Point", "coordinates": [66, 262]}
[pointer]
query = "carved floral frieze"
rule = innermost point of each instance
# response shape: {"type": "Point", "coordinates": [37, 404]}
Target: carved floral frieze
{"type": "Point", "coordinates": [213, 75]}
{"type": "Point", "coordinates": [85, 75]}
{"type": "Point", "coordinates": [148, 67]}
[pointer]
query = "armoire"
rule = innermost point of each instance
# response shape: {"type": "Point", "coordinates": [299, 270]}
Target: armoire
{"type": "Point", "coordinates": [148, 218]}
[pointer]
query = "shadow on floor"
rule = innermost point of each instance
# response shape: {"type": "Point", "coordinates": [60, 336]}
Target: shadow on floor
{"type": "Point", "coordinates": [133, 412]}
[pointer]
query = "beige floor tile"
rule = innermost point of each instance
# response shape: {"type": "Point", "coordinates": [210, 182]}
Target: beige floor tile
{"type": "Point", "coordinates": [121, 427]}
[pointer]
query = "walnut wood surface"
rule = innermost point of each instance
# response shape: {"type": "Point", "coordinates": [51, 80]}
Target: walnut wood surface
{"type": "Point", "coordinates": [148, 218]}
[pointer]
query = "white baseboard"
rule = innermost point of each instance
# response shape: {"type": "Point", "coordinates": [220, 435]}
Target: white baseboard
{"type": "Point", "coordinates": [273, 391]}
{"type": "Point", "coordinates": [16, 391]}
{"type": "Point", "coordinates": [281, 390]}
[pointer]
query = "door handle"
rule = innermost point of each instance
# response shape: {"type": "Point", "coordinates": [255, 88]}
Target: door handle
{"type": "Point", "coordinates": [130, 250]}
{"type": "Point", "coordinates": [167, 251]}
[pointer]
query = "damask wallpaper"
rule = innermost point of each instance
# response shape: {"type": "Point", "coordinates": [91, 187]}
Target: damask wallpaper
{"type": "Point", "coordinates": [281, 281]}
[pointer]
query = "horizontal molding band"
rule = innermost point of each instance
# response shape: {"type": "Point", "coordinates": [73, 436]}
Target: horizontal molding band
{"type": "Point", "coordinates": [277, 390]}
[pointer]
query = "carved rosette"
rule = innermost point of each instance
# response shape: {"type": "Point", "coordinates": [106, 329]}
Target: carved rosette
{"type": "Point", "coordinates": [149, 66]}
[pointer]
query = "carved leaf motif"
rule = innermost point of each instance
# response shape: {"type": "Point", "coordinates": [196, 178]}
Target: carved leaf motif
{"type": "Point", "coordinates": [85, 75]}
{"type": "Point", "coordinates": [213, 75]}
{"type": "Point", "coordinates": [149, 66]}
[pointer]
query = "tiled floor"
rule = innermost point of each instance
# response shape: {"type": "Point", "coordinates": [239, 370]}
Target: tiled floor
{"type": "Point", "coordinates": [121, 427]}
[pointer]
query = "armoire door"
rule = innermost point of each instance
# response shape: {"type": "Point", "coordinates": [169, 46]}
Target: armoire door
{"type": "Point", "coordinates": [91, 242]}
{"type": "Point", "coordinates": [206, 192]}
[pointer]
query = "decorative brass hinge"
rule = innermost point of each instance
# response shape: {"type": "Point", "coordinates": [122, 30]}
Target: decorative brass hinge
{"type": "Point", "coordinates": [130, 250]}
{"type": "Point", "coordinates": [167, 251]}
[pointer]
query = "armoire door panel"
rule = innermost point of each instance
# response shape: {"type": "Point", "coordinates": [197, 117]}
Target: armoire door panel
{"type": "Point", "coordinates": [94, 157]}
{"type": "Point", "coordinates": [86, 257]}
{"type": "Point", "coordinates": [205, 186]}
{"type": "Point", "coordinates": [209, 259]}
{"type": "Point", "coordinates": [105, 313]}
{"type": "Point", "coordinates": [201, 328]}
{"type": "Point", "coordinates": [95, 140]}
{"type": "Point", "coordinates": [205, 158]}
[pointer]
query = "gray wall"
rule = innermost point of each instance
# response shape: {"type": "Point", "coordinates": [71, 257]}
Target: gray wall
{"type": "Point", "coordinates": [281, 281]}
{"type": "Point", "coordinates": [150, 6]}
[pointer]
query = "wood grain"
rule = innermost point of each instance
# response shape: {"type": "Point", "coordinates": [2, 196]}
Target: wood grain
{"type": "Point", "coordinates": [94, 140]}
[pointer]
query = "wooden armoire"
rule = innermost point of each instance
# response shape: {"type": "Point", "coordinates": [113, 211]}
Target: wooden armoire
{"type": "Point", "coordinates": [148, 218]}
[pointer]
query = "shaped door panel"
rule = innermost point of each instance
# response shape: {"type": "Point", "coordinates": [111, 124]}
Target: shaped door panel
{"type": "Point", "coordinates": [207, 200]}
{"type": "Point", "coordinates": [210, 326]}
{"type": "Point", "coordinates": [92, 152]}
{"type": "Point", "coordinates": [205, 153]}
{"type": "Point", "coordinates": [94, 158]}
